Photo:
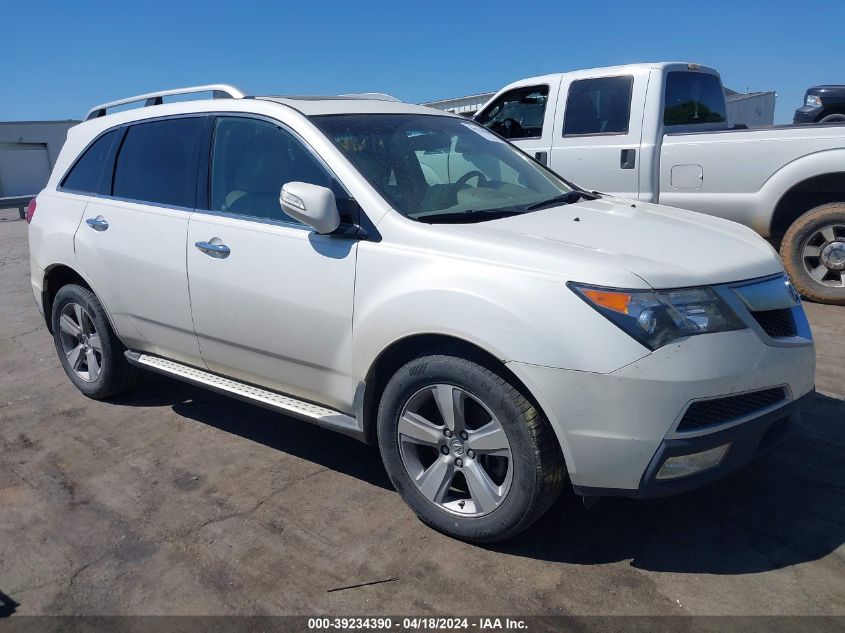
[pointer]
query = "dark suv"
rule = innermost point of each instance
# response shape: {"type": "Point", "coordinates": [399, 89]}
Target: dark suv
{"type": "Point", "coordinates": [822, 104]}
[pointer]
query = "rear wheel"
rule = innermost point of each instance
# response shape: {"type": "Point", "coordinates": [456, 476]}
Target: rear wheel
{"type": "Point", "coordinates": [466, 450]}
{"type": "Point", "coordinates": [813, 252]}
{"type": "Point", "coordinates": [90, 352]}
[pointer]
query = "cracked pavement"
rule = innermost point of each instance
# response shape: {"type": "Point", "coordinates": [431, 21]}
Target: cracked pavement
{"type": "Point", "coordinates": [174, 500]}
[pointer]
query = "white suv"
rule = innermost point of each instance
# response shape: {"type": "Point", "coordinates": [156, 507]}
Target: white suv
{"type": "Point", "coordinates": [406, 277]}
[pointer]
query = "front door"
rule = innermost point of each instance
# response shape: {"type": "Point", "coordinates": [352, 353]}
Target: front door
{"type": "Point", "coordinates": [525, 117]}
{"type": "Point", "coordinates": [271, 300]}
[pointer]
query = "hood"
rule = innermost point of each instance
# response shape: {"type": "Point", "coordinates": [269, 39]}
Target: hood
{"type": "Point", "coordinates": [664, 246]}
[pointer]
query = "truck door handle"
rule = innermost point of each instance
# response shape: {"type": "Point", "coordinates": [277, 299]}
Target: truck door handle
{"type": "Point", "coordinates": [542, 157]}
{"type": "Point", "coordinates": [628, 159]}
{"type": "Point", "coordinates": [214, 248]}
{"type": "Point", "coordinates": [98, 224]}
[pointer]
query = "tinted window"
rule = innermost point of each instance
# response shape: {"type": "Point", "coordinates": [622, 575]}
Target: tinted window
{"type": "Point", "coordinates": [251, 160]}
{"type": "Point", "coordinates": [439, 169]}
{"type": "Point", "coordinates": [693, 98]}
{"type": "Point", "coordinates": [517, 113]}
{"type": "Point", "coordinates": [598, 106]}
{"type": "Point", "coordinates": [157, 162]}
{"type": "Point", "coordinates": [84, 176]}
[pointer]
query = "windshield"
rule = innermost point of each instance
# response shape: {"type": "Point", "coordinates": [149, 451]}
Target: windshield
{"type": "Point", "coordinates": [441, 169]}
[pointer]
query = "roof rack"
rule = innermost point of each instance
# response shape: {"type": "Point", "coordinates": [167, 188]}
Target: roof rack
{"type": "Point", "coordinates": [218, 91]}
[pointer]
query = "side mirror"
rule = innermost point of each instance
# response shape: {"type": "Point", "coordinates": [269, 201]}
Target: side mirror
{"type": "Point", "coordinates": [311, 204]}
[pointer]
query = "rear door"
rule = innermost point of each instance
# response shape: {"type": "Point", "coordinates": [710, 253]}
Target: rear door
{"type": "Point", "coordinates": [131, 242]}
{"type": "Point", "coordinates": [524, 116]}
{"type": "Point", "coordinates": [597, 140]}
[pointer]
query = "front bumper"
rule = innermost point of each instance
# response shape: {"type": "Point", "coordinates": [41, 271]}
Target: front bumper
{"type": "Point", "coordinates": [616, 429]}
{"type": "Point", "coordinates": [806, 114]}
{"type": "Point", "coordinates": [746, 440]}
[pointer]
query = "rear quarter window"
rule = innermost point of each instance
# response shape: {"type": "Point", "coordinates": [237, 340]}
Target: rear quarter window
{"type": "Point", "coordinates": [157, 162]}
{"type": "Point", "coordinates": [692, 99]}
{"type": "Point", "coordinates": [84, 176]}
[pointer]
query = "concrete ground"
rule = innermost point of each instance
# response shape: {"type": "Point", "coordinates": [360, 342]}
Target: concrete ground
{"type": "Point", "coordinates": [174, 500]}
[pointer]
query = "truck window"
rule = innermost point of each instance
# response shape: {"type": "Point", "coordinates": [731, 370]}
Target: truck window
{"type": "Point", "coordinates": [693, 98]}
{"type": "Point", "coordinates": [598, 106]}
{"type": "Point", "coordinates": [517, 113]}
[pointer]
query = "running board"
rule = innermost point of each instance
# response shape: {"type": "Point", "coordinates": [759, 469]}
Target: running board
{"type": "Point", "coordinates": [314, 413]}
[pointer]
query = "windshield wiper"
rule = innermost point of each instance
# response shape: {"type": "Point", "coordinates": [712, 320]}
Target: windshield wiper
{"type": "Point", "coordinates": [468, 216]}
{"type": "Point", "coordinates": [565, 198]}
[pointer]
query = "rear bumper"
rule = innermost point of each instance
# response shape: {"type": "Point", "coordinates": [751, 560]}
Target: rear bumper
{"type": "Point", "coordinates": [36, 280]}
{"type": "Point", "coordinates": [747, 440]}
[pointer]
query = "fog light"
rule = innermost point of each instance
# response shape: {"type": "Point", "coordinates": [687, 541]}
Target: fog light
{"type": "Point", "coordinates": [685, 465]}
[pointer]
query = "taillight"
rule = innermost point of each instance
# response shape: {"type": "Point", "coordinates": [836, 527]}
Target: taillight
{"type": "Point", "coordinates": [30, 210]}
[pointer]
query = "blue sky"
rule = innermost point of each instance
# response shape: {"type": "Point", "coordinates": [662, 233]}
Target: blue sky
{"type": "Point", "coordinates": [62, 58]}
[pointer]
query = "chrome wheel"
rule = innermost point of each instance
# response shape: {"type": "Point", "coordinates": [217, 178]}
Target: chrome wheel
{"type": "Point", "coordinates": [823, 255]}
{"type": "Point", "coordinates": [80, 342]}
{"type": "Point", "coordinates": [455, 450]}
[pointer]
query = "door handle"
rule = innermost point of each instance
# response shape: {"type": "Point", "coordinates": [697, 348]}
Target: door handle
{"type": "Point", "coordinates": [542, 157]}
{"type": "Point", "coordinates": [214, 248]}
{"type": "Point", "coordinates": [628, 159]}
{"type": "Point", "coordinates": [98, 224]}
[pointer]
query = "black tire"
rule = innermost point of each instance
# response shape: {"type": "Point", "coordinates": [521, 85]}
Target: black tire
{"type": "Point", "coordinates": [538, 469]}
{"type": "Point", "coordinates": [833, 118]}
{"type": "Point", "coordinates": [792, 248]}
{"type": "Point", "coordinates": [115, 374]}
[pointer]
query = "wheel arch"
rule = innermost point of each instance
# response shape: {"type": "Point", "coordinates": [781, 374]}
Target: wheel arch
{"type": "Point", "coordinates": [55, 277]}
{"type": "Point", "coordinates": [58, 275]}
{"type": "Point", "coordinates": [405, 349]}
{"type": "Point", "coordinates": [836, 109]}
{"type": "Point", "coordinates": [807, 194]}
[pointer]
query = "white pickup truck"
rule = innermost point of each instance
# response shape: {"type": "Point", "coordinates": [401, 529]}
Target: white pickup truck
{"type": "Point", "coordinates": [660, 133]}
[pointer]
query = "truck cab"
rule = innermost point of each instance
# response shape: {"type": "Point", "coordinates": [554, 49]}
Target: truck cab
{"type": "Point", "coordinates": [601, 127]}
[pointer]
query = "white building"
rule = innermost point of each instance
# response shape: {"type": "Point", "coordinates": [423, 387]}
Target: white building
{"type": "Point", "coordinates": [28, 151]}
{"type": "Point", "coordinates": [750, 108]}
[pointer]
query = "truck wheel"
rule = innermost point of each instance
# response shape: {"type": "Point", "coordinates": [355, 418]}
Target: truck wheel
{"type": "Point", "coordinates": [90, 352]}
{"type": "Point", "coordinates": [466, 450]}
{"type": "Point", "coordinates": [833, 118]}
{"type": "Point", "coordinates": [813, 252]}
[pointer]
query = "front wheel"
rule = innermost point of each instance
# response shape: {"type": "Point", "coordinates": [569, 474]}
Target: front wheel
{"type": "Point", "coordinates": [466, 450]}
{"type": "Point", "coordinates": [813, 252]}
{"type": "Point", "coordinates": [833, 118]}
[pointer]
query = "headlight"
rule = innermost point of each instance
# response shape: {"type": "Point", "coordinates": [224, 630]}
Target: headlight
{"type": "Point", "coordinates": [813, 101]}
{"type": "Point", "coordinates": [657, 317]}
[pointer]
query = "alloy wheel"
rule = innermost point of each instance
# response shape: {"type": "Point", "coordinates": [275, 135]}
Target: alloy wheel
{"type": "Point", "coordinates": [80, 342]}
{"type": "Point", "coordinates": [823, 255]}
{"type": "Point", "coordinates": [455, 450]}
